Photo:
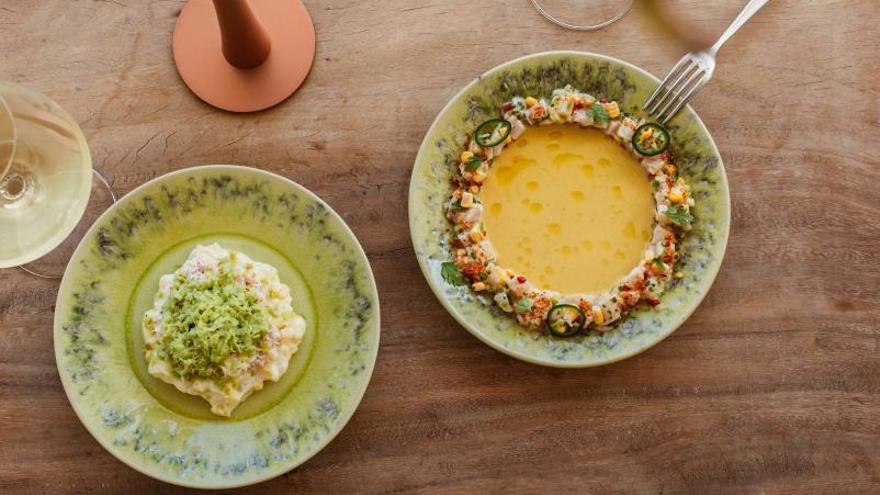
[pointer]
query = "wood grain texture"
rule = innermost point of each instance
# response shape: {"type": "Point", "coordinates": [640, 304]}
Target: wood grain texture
{"type": "Point", "coordinates": [773, 386]}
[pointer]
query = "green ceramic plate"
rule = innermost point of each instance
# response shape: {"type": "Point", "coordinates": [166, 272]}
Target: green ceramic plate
{"type": "Point", "coordinates": [538, 75]}
{"type": "Point", "coordinates": [113, 276]}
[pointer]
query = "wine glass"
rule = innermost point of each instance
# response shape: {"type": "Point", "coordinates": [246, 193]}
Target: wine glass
{"type": "Point", "coordinates": [583, 15]}
{"type": "Point", "coordinates": [46, 180]}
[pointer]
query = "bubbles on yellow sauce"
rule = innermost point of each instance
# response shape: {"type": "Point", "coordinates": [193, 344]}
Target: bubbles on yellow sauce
{"type": "Point", "coordinates": [568, 208]}
{"type": "Point", "coordinates": [588, 170]}
{"type": "Point", "coordinates": [563, 159]}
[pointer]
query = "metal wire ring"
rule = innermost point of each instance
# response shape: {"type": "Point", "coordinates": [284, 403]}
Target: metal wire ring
{"type": "Point", "coordinates": [581, 27]}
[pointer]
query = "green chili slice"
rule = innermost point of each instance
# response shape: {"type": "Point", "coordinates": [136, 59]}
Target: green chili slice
{"type": "Point", "coordinates": [651, 139]}
{"type": "Point", "coordinates": [487, 134]}
{"type": "Point", "coordinates": [565, 320]}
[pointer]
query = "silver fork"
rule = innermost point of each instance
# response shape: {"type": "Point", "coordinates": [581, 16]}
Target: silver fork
{"type": "Point", "coordinates": [693, 71]}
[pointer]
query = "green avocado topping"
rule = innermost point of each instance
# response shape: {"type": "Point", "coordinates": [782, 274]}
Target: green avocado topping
{"type": "Point", "coordinates": [208, 321]}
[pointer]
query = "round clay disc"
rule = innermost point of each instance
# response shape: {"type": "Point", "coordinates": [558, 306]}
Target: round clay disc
{"type": "Point", "coordinates": [200, 61]}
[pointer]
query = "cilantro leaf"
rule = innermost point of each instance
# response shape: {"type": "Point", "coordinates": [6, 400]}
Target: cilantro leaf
{"type": "Point", "coordinates": [679, 216]}
{"type": "Point", "coordinates": [473, 163]}
{"type": "Point", "coordinates": [598, 113]}
{"type": "Point", "coordinates": [450, 274]}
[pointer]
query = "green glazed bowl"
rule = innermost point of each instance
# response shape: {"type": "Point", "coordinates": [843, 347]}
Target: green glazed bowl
{"type": "Point", "coordinates": [537, 75]}
{"type": "Point", "coordinates": [113, 276]}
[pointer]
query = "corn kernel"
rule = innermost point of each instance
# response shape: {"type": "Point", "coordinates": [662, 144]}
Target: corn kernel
{"type": "Point", "coordinates": [475, 235]}
{"type": "Point", "coordinates": [530, 102]}
{"type": "Point", "coordinates": [461, 252]}
{"type": "Point", "coordinates": [598, 315]}
{"type": "Point", "coordinates": [466, 155]}
{"type": "Point", "coordinates": [467, 200]}
{"type": "Point", "coordinates": [474, 189]}
{"type": "Point", "coordinates": [670, 169]}
{"type": "Point", "coordinates": [510, 273]}
{"type": "Point", "coordinates": [479, 286]}
{"type": "Point", "coordinates": [647, 133]}
{"type": "Point", "coordinates": [613, 109]}
{"type": "Point", "coordinates": [676, 196]}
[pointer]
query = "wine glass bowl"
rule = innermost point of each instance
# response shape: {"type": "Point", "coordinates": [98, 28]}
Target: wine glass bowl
{"type": "Point", "coordinates": [7, 142]}
{"type": "Point", "coordinates": [45, 175]}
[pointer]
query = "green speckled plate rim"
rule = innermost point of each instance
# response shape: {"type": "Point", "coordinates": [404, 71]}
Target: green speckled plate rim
{"type": "Point", "coordinates": [357, 395]}
{"type": "Point", "coordinates": [437, 289]}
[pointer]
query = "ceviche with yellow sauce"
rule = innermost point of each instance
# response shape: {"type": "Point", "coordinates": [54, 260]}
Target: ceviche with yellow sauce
{"type": "Point", "coordinates": [586, 205]}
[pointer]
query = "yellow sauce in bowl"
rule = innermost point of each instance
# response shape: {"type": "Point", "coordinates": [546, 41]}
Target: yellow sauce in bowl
{"type": "Point", "coordinates": [569, 208]}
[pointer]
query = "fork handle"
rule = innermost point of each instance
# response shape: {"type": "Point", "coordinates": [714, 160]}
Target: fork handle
{"type": "Point", "coordinates": [747, 12]}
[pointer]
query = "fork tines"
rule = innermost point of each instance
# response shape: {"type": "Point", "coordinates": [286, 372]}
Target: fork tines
{"type": "Point", "coordinates": [688, 76]}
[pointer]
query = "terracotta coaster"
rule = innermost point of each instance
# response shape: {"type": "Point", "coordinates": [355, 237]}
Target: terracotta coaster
{"type": "Point", "coordinates": [198, 52]}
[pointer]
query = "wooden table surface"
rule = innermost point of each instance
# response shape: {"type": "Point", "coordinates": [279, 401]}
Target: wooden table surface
{"type": "Point", "coordinates": [773, 386]}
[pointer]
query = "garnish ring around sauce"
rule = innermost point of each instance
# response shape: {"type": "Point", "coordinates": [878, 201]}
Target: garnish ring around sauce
{"type": "Point", "coordinates": [475, 261]}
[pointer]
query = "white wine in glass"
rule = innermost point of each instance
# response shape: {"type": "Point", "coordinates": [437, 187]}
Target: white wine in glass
{"type": "Point", "coordinates": [45, 175]}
